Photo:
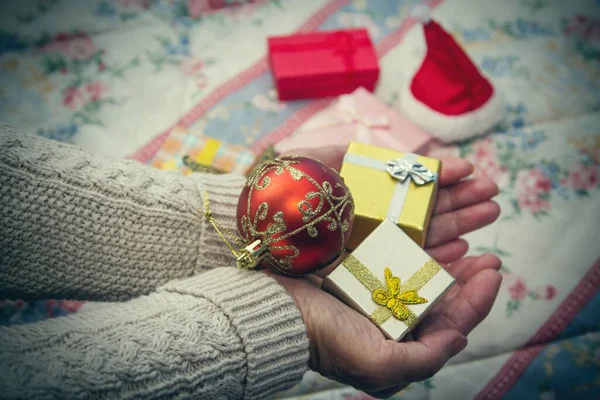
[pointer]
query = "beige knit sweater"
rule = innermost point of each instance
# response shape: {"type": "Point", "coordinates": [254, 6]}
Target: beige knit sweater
{"type": "Point", "coordinates": [184, 323]}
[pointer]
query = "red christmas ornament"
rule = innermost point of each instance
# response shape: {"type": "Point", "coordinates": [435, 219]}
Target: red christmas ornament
{"type": "Point", "coordinates": [300, 210]}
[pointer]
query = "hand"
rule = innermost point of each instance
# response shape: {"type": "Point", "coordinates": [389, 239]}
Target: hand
{"type": "Point", "coordinates": [348, 347]}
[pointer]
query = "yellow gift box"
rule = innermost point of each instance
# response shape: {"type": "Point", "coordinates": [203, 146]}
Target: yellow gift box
{"type": "Point", "coordinates": [380, 194]}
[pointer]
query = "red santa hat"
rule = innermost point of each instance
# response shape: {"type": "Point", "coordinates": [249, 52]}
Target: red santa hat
{"type": "Point", "coordinates": [448, 96]}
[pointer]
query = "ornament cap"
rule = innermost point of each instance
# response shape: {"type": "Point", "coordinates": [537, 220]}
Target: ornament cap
{"type": "Point", "coordinates": [250, 256]}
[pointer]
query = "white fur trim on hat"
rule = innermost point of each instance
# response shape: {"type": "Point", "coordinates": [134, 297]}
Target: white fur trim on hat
{"type": "Point", "coordinates": [452, 128]}
{"type": "Point", "coordinates": [422, 13]}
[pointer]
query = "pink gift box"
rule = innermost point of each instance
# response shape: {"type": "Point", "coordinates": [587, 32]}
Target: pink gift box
{"type": "Point", "coordinates": [357, 117]}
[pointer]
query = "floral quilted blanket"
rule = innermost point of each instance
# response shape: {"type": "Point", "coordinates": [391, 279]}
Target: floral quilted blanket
{"type": "Point", "coordinates": [121, 77]}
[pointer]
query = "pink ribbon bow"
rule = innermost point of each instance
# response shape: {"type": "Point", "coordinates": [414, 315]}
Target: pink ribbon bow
{"type": "Point", "coordinates": [364, 123]}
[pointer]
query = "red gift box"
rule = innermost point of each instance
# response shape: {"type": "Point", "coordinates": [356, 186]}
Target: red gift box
{"type": "Point", "coordinates": [323, 64]}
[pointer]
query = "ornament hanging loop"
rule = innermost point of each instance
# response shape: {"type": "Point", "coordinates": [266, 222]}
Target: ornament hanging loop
{"type": "Point", "coordinates": [251, 255]}
{"type": "Point", "coordinates": [246, 257]}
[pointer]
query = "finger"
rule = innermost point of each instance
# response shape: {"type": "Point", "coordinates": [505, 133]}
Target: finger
{"type": "Point", "coordinates": [467, 267]}
{"type": "Point", "coordinates": [449, 252]}
{"type": "Point", "coordinates": [484, 261]}
{"type": "Point", "coordinates": [453, 170]}
{"type": "Point", "coordinates": [444, 254]}
{"type": "Point", "coordinates": [418, 360]}
{"type": "Point", "coordinates": [467, 308]}
{"type": "Point", "coordinates": [457, 267]}
{"type": "Point", "coordinates": [466, 193]}
{"type": "Point", "coordinates": [464, 269]}
{"type": "Point", "coordinates": [450, 226]}
{"type": "Point", "coordinates": [384, 394]}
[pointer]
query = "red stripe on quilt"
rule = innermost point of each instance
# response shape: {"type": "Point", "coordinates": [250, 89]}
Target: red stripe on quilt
{"type": "Point", "coordinates": [512, 370]}
{"type": "Point", "coordinates": [301, 116]}
{"type": "Point", "coordinates": [148, 151]}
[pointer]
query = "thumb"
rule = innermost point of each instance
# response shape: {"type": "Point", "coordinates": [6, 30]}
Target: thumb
{"type": "Point", "coordinates": [419, 360]}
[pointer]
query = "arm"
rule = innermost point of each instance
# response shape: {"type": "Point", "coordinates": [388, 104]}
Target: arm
{"type": "Point", "coordinates": [80, 226]}
{"type": "Point", "coordinates": [225, 333]}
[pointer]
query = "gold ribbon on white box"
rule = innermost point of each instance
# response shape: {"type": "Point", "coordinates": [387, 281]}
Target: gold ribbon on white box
{"type": "Point", "coordinates": [393, 296]}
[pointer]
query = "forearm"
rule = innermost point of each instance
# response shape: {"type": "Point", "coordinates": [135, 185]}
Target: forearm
{"type": "Point", "coordinates": [225, 333]}
{"type": "Point", "coordinates": [81, 226]}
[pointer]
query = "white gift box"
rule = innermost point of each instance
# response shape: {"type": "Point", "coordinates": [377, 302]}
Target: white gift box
{"type": "Point", "coordinates": [395, 305]}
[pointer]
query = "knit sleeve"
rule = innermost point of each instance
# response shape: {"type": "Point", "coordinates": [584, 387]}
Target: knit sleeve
{"type": "Point", "coordinates": [225, 333]}
{"type": "Point", "coordinates": [75, 225]}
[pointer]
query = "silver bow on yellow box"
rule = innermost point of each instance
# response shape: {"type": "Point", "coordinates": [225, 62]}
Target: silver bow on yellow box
{"type": "Point", "coordinates": [400, 169]}
{"type": "Point", "coordinates": [404, 168]}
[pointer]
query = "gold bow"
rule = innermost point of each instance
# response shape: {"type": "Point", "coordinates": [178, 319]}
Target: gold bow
{"type": "Point", "coordinates": [393, 296]}
{"type": "Point", "coordinates": [393, 299]}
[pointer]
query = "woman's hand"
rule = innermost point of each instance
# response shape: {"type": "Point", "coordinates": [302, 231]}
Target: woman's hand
{"type": "Point", "coordinates": [348, 347]}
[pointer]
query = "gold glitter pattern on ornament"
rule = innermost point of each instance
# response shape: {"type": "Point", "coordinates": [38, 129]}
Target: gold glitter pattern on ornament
{"type": "Point", "coordinates": [310, 215]}
{"type": "Point", "coordinates": [336, 211]}
{"type": "Point", "coordinates": [266, 156]}
{"type": "Point", "coordinates": [393, 297]}
{"type": "Point", "coordinates": [279, 165]}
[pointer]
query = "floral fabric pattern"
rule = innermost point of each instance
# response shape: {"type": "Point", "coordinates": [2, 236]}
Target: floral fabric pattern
{"type": "Point", "coordinates": [125, 75]}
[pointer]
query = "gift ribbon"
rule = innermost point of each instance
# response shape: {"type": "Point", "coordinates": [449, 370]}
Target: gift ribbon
{"type": "Point", "coordinates": [403, 169]}
{"type": "Point", "coordinates": [348, 113]}
{"type": "Point", "coordinates": [382, 313]}
{"type": "Point", "coordinates": [363, 123]}
{"type": "Point", "coordinates": [344, 46]}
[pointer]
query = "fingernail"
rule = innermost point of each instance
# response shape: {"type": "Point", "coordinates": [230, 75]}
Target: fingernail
{"type": "Point", "coordinates": [479, 173]}
{"type": "Point", "coordinates": [459, 345]}
{"type": "Point", "coordinates": [472, 171]}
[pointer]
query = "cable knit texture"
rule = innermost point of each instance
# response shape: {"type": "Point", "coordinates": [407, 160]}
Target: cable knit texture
{"type": "Point", "coordinates": [225, 333]}
{"type": "Point", "coordinates": [76, 225]}
{"type": "Point", "coordinates": [81, 226]}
